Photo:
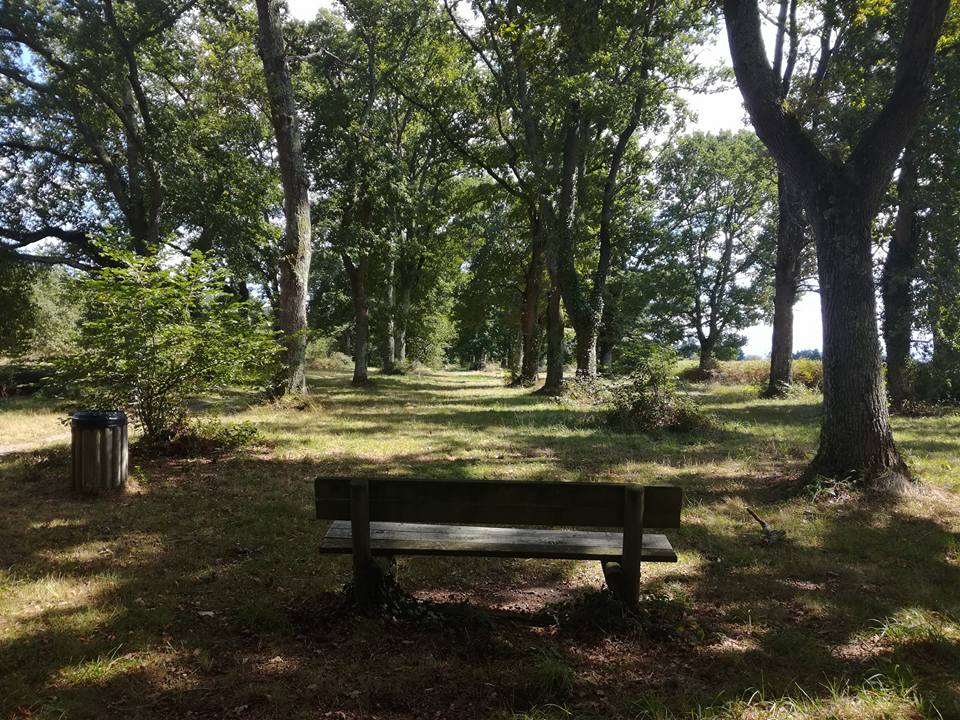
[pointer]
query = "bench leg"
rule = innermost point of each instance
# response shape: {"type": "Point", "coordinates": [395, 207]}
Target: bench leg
{"type": "Point", "coordinates": [632, 544]}
{"type": "Point", "coordinates": [363, 568]}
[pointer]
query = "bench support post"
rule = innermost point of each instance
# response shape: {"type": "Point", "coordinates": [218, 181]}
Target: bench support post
{"type": "Point", "coordinates": [360, 533]}
{"type": "Point", "coordinates": [632, 544]}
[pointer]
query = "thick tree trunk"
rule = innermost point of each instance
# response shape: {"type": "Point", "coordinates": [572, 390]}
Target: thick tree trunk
{"type": "Point", "coordinates": [587, 349]}
{"type": "Point", "coordinates": [529, 311]}
{"type": "Point", "coordinates": [707, 348]}
{"type": "Point", "coordinates": [515, 355]}
{"type": "Point", "coordinates": [855, 435]}
{"type": "Point", "coordinates": [898, 273]}
{"type": "Point", "coordinates": [554, 380]}
{"type": "Point", "coordinates": [295, 256]}
{"type": "Point", "coordinates": [361, 316]}
{"type": "Point", "coordinates": [791, 238]}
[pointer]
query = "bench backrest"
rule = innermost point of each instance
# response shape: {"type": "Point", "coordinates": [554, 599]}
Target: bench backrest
{"type": "Point", "coordinates": [498, 502]}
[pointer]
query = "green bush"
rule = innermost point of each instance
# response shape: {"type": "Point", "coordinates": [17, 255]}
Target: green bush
{"type": "Point", "coordinates": [649, 402]}
{"type": "Point", "coordinates": [152, 335]}
{"type": "Point", "coordinates": [806, 373]}
{"type": "Point", "coordinates": [203, 438]}
{"type": "Point", "coordinates": [322, 354]}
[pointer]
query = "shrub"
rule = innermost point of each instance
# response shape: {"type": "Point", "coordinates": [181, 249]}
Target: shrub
{"type": "Point", "coordinates": [202, 438]}
{"type": "Point", "coordinates": [807, 373]}
{"type": "Point", "coordinates": [151, 335]}
{"type": "Point", "coordinates": [649, 402]}
{"type": "Point", "coordinates": [323, 355]}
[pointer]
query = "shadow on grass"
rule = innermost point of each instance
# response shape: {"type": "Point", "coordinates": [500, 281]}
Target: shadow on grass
{"type": "Point", "coordinates": [202, 590]}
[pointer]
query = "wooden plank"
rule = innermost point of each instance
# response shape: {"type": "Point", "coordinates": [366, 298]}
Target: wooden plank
{"type": "Point", "coordinates": [388, 538]}
{"type": "Point", "coordinates": [632, 544]}
{"type": "Point", "coordinates": [497, 502]}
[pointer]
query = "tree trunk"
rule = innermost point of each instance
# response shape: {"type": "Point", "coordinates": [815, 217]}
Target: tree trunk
{"type": "Point", "coordinates": [554, 381]}
{"type": "Point", "coordinates": [361, 316]}
{"type": "Point", "coordinates": [296, 249]}
{"type": "Point", "coordinates": [388, 352]}
{"type": "Point", "coordinates": [587, 349]}
{"type": "Point", "coordinates": [400, 326]}
{"type": "Point", "coordinates": [898, 273]}
{"type": "Point", "coordinates": [707, 360]}
{"type": "Point", "coordinates": [515, 355]}
{"type": "Point", "coordinates": [791, 239]}
{"type": "Point", "coordinates": [855, 435]}
{"type": "Point", "coordinates": [532, 288]}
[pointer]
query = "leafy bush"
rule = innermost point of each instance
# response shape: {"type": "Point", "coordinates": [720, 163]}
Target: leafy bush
{"type": "Point", "coordinates": [152, 334]}
{"type": "Point", "coordinates": [649, 402]}
{"type": "Point", "coordinates": [323, 355]}
{"type": "Point", "coordinates": [935, 381]}
{"type": "Point", "coordinates": [806, 373]}
{"type": "Point", "coordinates": [202, 438]}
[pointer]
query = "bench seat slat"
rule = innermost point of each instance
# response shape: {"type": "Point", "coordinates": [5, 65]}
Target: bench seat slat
{"type": "Point", "coordinates": [389, 538]}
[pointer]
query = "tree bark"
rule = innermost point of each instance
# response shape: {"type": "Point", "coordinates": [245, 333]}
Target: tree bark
{"type": "Point", "coordinates": [361, 315]}
{"type": "Point", "coordinates": [791, 239]}
{"type": "Point", "coordinates": [707, 361]}
{"type": "Point", "coordinates": [553, 383]}
{"type": "Point", "coordinates": [388, 352]}
{"type": "Point", "coordinates": [841, 200]}
{"type": "Point", "coordinates": [899, 270]}
{"type": "Point", "coordinates": [855, 436]}
{"type": "Point", "coordinates": [529, 311]}
{"type": "Point", "coordinates": [296, 248]}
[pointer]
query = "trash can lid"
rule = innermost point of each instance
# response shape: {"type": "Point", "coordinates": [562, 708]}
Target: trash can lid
{"type": "Point", "coordinates": [97, 419]}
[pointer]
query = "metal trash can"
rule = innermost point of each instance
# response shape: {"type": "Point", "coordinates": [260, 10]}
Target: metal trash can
{"type": "Point", "coordinates": [99, 442]}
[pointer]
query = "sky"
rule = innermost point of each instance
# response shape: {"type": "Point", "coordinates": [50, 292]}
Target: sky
{"type": "Point", "coordinates": [715, 112]}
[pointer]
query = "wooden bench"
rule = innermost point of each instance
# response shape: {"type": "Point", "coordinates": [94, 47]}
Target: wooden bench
{"type": "Point", "coordinates": [400, 516]}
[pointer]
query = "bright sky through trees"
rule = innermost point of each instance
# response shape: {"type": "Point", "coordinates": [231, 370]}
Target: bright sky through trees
{"type": "Point", "coordinates": [715, 112]}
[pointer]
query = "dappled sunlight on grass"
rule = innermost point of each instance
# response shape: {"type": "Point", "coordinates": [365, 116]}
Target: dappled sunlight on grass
{"type": "Point", "coordinates": [202, 591]}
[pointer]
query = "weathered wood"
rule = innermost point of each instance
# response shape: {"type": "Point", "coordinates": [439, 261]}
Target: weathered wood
{"type": "Point", "coordinates": [360, 539]}
{"type": "Point", "coordinates": [387, 538]}
{"type": "Point", "coordinates": [497, 502]}
{"type": "Point", "coordinates": [633, 503]}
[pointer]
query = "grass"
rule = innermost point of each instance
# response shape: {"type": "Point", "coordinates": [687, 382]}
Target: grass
{"type": "Point", "coordinates": [200, 591]}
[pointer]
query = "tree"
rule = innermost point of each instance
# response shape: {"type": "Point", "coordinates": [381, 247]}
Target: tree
{"type": "Point", "coordinates": [135, 125]}
{"type": "Point", "coordinates": [569, 86]}
{"type": "Point", "coordinates": [791, 226]}
{"type": "Point", "coordinates": [295, 251]}
{"type": "Point", "coordinates": [922, 249]}
{"type": "Point", "coordinates": [385, 176]}
{"type": "Point", "coordinates": [716, 227]}
{"type": "Point", "coordinates": [39, 317]}
{"type": "Point", "coordinates": [841, 199]}
{"type": "Point", "coordinates": [83, 109]}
